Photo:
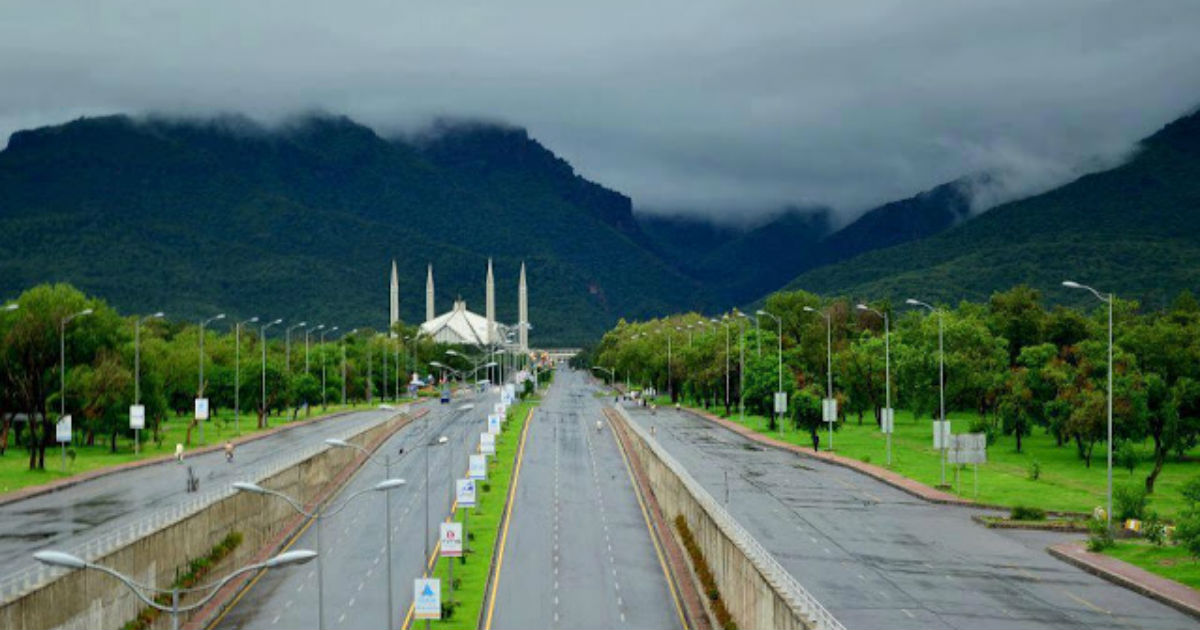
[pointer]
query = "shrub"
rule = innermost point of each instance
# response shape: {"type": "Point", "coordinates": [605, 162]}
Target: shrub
{"type": "Point", "coordinates": [1099, 537]}
{"type": "Point", "coordinates": [1155, 530]}
{"type": "Point", "coordinates": [1127, 456]}
{"type": "Point", "coordinates": [1035, 470]}
{"type": "Point", "coordinates": [1027, 513]}
{"type": "Point", "coordinates": [1130, 502]}
{"type": "Point", "coordinates": [1187, 533]}
{"type": "Point", "coordinates": [866, 459]}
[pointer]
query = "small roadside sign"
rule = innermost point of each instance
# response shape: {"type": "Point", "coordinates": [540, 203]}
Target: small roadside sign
{"type": "Point", "coordinates": [477, 468]}
{"type": "Point", "coordinates": [887, 420]}
{"type": "Point", "coordinates": [202, 409]}
{"type": "Point", "coordinates": [780, 402]}
{"type": "Point", "coordinates": [499, 408]}
{"type": "Point", "coordinates": [829, 409]}
{"type": "Point", "coordinates": [452, 539]}
{"type": "Point", "coordinates": [493, 424]}
{"type": "Point", "coordinates": [427, 598]}
{"type": "Point", "coordinates": [62, 429]}
{"type": "Point", "coordinates": [941, 434]}
{"type": "Point", "coordinates": [137, 417]}
{"type": "Point", "coordinates": [487, 443]}
{"type": "Point", "coordinates": [464, 492]}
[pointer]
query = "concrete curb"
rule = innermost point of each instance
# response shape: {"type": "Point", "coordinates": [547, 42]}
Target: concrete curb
{"type": "Point", "coordinates": [1174, 594]}
{"type": "Point", "coordinates": [205, 616]}
{"type": "Point", "coordinates": [62, 484]}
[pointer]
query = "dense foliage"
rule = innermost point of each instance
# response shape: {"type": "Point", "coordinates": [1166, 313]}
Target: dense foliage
{"type": "Point", "coordinates": [100, 369]}
{"type": "Point", "coordinates": [1016, 365]}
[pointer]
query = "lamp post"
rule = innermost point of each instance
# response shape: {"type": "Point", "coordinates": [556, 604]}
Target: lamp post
{"type": "Point", "coordinates": [941, 380]}
{"type": "Point", "coordinates": [887, 374]}
{"type": "Point", "coordinates": [68, 561]}
{"type": "Point", "coordinates": [307, 332]}
{"type": "Point", "coordinates": [237, 374]}
{"type": "Point", "coordinates": [287, 346]}
{"type": "Point", "coordinates": [387, 464]}
{"type": "Point", "coordinates": [62, 353]}
{"type": "Point", "coordinates": [319, 515]}
{"type": "Point", "coordinates": [263, 342]}
{"type": "Point", "coordinates": [612, 375]}
{"type": "Point", "coordinates": [200, 387]}
{"type": "Point", "coordinates": [741, 365]}
{"type": "Point", "coordinates": [344, 363]}
{"type": "Point", "coordinates": [779, 340]}
{"type": "Point", "coordinates": [137, 371]}
{"type": "Point", "coordinates": [725, 322]}
{"type": "Point", "coordinates": [441, 439]}
{"type": "Point", "coordinates": [323, 402]}
{"type": "Point", "coordinates": [1109, 299]}
{"type": "Point", "coordinates": [828, 362]}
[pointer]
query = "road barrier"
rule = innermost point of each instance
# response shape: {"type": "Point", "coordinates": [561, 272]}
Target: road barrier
{"type": "Point", "coordinates": [153, 549]}
{"type": "Point", "coordinates": [758, 592]}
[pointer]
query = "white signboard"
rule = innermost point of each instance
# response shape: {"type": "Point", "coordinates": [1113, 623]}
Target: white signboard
{"type": "Point", "coordinates": [941, 434]}
{"type": "Point", "coordinates": [478, 467]}
{"type": "Point", "coordinates": [452, 540]}
{"type": "Point", "coordinates": [887, 420]}
{"type": "Point", "coordinates": [967, 448]}
{"type": "Point", "coordinates": [780, 402]}
{"type": "Point", "coordinates": [464, 492]}
{"type": "Point", "coordinates": [509, 394]}
{"type": "Point", "coordinates": [202, 409]}
{"type": "Point", "coordinates": [137, 416]}
{"type": "Point", "coordinates": [829, 409]}
{"type": "Point", "coordinates": [62, 429]}
{"type": "Point", "coordinates": [499, 408]}
{"type": "Point", "coordinates": [427, 598]}
{"type": "Point", "coordinates": [487, 443]}
{"type": "Point", "coordinates": [493, 424]}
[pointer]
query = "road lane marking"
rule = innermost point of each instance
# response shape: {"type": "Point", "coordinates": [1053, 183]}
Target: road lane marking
{"type": "Point", "coordinates": [512, 493]}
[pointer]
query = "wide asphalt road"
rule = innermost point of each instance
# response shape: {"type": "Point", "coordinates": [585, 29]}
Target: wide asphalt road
{"type": "Point", "coordinates": [92, 508]}
{"type": "Point", "coordinates": [352, 541]}
{"type": "Point", "coordinates": [579, 552]}
{"type": "Point", "coordinates": [879, 558]}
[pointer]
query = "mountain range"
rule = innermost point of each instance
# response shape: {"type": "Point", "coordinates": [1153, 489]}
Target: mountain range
{"type": "Point", "coordinates": [301, 221]}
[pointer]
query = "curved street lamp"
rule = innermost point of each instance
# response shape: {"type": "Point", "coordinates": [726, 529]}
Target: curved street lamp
{"type": "Point", "coordinates": [887, 374]}
{"type": "Point", "coordinates": [263, 341]}
{"type": "Point", "coordinates": [237, 373]}
{"type": "Point", "coordinates": [318, 514]}
{"type": "Point", "coordinates": [62, 352]}
{"type": "Point", "coordinates": [941, 378]}
{"type": "Point", "coordinates": [1109, 299]}
{"type": "Point", "coordinates": [68, 561]}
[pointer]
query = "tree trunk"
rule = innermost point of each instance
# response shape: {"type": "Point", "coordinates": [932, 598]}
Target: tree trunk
{"type": "Point", "coordinates": [113, 447]}
{"type": "Point", "coordinates": [1018, 432]}
{"type": "Point", "coordinates": [1160, 457]}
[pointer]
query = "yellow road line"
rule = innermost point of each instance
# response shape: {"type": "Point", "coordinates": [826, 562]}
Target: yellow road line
{"type": "Point", "coordinates": [512, 493]}
{"type": "Point", "coordinates": [246, 588]}
{"type": "Point", "coordinates": [653, 539]}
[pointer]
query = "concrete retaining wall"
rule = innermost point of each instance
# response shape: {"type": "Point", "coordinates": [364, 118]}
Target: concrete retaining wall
{"type": "Point", "coordinates": [756, 590]}
{"type": "Point", "coordinates": [91, 599]}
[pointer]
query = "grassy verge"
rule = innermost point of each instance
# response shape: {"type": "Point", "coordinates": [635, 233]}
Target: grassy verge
{"type": "Point", "coordinates": [1168, 561]}
{"type": "Point", "coordinates": [14, 464]}
{"type": "Point", "coordinates": [482, 524]}
{"type": "Point", "coordinates": [1063, 482]}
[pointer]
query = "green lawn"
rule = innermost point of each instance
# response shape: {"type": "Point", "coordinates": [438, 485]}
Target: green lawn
{"type": "Point", "coordinates": [1064, 482]}
{"type": "Point", "coordinates": [14, 464]}
{"type": "Point", "coordinates": [1169, 561]}
{"type": "Point", "coordinates": [481, 526]}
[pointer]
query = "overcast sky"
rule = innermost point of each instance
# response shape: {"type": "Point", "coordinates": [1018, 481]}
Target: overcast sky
{"type": "Point", "coordinates": [727, 108]}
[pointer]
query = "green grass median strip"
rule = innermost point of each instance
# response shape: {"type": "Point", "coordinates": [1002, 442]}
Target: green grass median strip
{"type": "Point", "coordinates": [481, 527]}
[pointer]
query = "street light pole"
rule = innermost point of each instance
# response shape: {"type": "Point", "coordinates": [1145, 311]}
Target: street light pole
{"type": "Point", "coordinates": [68, 561]}
{"type": "Point", "coordinates": [62, 353]}
{"type": "Point", "coordinates": [941, 380]}
{"type": "Point", "coordinates": [828, 363]}
{"type": "Point", "coordinates": [887, 374]}
{"type": "Point", "coordinates": [323, 402]}
{"type": "Point", "coordinates": [200, 387]}
{"type": "Point", "coordinates": [307, 331]}
{"type": "Point", "coordinates": [237, 374]}
{"type": "Point", "coordinates": [319, 515]}
{"type": "Point", "coordinates": [741, 365]}
{"type": "Point", "coordinates": [137, 372]}
{"type": "Point", "coordinates": [287, 346]}
{"type": "Point", "coordinates": [779, 341]}
{"type": "Point", "coordinates": [1109, 299]}
{"type": "Point", "coordinates": [263, 342]}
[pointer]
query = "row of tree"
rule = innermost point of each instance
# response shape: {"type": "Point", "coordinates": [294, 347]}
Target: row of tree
{"type": "Point", "coordinates": [99, 352]}
{"type": "Point", "coordinates": [1016, 364]}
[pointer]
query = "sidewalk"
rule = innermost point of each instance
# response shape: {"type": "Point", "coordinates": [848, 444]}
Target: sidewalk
{"type": "Point", "coordinates": [1178, 596]}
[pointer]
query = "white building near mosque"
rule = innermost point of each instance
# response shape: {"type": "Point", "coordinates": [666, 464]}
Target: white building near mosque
{"type": "Point", "coordinates": [461, 326]}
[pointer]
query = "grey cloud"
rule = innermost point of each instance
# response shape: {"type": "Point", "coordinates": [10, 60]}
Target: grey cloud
{"type": "Point", "coordinates": [725, 108]}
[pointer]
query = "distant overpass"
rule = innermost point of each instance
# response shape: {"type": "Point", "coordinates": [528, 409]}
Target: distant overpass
{"type": "Point", "coordinates": [557, 354]}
